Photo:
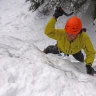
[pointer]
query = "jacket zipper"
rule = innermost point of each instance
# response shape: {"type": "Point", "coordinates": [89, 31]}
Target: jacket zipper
{"type": "Point", "coordinates": [69, 47]}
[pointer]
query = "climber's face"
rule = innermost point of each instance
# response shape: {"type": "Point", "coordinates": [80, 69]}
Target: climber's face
{"type": "Point", "coordinates": [71, 37]}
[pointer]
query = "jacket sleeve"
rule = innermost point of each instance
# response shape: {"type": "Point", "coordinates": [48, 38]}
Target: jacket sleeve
{"type": "Point", "coordinates": [89, 50]}
{"type": "Point", "coordinates": [51, 31]}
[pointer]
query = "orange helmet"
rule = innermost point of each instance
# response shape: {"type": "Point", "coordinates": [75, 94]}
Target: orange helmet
{"type": "Point", "coordinates": [73, 25]}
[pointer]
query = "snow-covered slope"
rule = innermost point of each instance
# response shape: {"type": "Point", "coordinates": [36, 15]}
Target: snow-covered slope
{"type": "Point", "coordinates": [24, 69]}
{"type": "Point", "coordinates": [32, 73]}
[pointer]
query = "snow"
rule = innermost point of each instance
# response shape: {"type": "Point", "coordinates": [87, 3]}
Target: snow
{"type": "Point", "coordinates": [24, 69]}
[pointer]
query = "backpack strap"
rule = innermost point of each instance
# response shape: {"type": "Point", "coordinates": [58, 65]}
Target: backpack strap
{"type": "Point", "coordinates": [84, 29]}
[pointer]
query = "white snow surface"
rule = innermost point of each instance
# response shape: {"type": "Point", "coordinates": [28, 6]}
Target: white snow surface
{"type": "Point", "coordinates": [25, 70]}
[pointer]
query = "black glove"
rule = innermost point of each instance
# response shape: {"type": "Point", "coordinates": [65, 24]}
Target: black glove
{"type": "Point", "coordinates": [51, 49]}
{"type": "Point", "coordinates": [58, 12]}
{"type": "Point", "coordinates": [90, 70]}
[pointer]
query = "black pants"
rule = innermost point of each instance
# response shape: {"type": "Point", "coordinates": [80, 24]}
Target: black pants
{"type": "Point", "coordinates": [53, 49]}
{"type": "Point", "coordinates": [79, 56]}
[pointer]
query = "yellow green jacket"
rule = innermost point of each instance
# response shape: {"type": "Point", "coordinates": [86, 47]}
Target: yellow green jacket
{"type": "Point", "coordinates": [81, 42]}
